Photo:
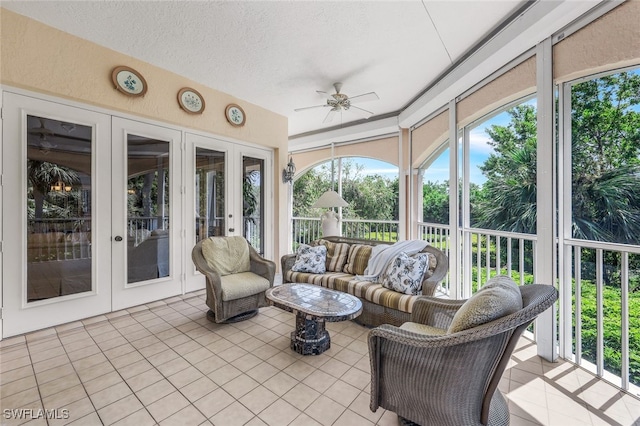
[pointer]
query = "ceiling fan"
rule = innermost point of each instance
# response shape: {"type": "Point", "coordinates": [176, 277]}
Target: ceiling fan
{"type": "Point", "coordinates": [341, 102]}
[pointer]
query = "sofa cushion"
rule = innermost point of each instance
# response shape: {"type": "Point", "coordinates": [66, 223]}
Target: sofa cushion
{"type": "Point", "coordinates": [375, 293]}
{"type": "Point", "coordinates": [336, 255]}
{"type": "Point", "coordinates": [405, 273]}
{"type": "Point", "coordinates": [311, 259]}
{"type": "Point", "coordinates": [241, 285]}
{"type": "Point", "coordinates": [357, 259]}
{"type": "Point", "coordinates": [325, 280]}
{"type": "Point", "coordinates": [227, 255]}
{"type": "Point", "coordinates": [499, 297]}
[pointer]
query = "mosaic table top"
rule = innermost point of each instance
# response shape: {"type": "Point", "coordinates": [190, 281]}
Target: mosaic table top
{"type": "Point", "coordinates": [315, 301]}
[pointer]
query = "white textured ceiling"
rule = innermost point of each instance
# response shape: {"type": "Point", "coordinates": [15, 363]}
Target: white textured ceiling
{"type": "Point", "coordinates": [276, 54]}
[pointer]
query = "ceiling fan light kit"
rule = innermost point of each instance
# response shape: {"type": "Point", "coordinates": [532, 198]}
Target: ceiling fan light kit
{"type": "Point", "coordinates": [341, 102]}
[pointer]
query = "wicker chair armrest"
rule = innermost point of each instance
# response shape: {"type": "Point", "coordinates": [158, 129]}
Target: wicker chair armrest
{"type": "Point", "coordinates": [439, 364]}
{"type": "Point", "coordinates": [286, 263]}
{"type": "Point", "coordinates": [261, 266]}
{"type": "Point", "coordinates": [434, 311]}
{"type": "Point", "coordinates": [212, 276]}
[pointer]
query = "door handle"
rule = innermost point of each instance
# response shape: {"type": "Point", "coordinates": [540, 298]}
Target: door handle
{"type": "Point", "coordinates": [232, 229]}
{"type": "Point", "coordinates": [118, 238]}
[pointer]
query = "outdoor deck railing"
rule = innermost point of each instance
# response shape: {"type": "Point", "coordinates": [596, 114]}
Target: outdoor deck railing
{"type": "Point", "coordinates": [307, 229]}
{"type": "Point", "coordinates": [599, 314]}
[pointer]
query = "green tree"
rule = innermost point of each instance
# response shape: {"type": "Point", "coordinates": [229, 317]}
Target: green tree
{"type": "Point", "coordinates": [371, 197]}
{"type": "Point", "coordinates": [308, 188]}
{"type": "Point", "coordinates": [435, 202]}
{"type": "Point", "coordinates": [605, 133]}
{"type": "Point", "coordinates": [605, 162]}
{"type": "Point", "coordinates": [507, 200]}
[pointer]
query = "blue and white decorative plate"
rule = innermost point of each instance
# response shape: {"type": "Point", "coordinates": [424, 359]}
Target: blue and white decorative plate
{"type": "Point", "coordinates": [235, 115]}
{"type": "Point", "coordinates": [129, 81]}
{"type": "Point", "coordinates": [190, 100]}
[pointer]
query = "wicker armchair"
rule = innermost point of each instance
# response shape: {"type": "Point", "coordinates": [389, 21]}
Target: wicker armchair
{"type": "Point", "coordinates": [226, 303]}
{"type": "Point", "coordinates": [449, 379]}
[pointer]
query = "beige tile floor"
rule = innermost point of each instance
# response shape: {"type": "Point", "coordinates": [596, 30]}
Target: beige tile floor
{"type": "Point", "coordinates": [165, 363]}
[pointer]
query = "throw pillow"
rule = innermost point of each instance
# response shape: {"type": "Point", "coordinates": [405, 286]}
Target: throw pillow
{"type": "Point", "coordinates": [311, 259]}
{"type": "Point", "coordinates": [336, 255]}
{"type": "Point", "coordinates": [499, 297]}
{"type": "Point", "coordinates": [404, 273]}
{"type": "Point", "coordinates": [357, 259]}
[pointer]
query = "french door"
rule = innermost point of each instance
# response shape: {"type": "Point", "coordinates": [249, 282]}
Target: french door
{"type": "Point", "coordinates": [91, 213]}
{"type": "Point", "coordinates": [146, 217]}
{"type": "Point", "coordinates": [100, 213]}
{"type": "Point", "coordinates": [230, 195]}
{"type": "Point", "coordinates": [56, 201]}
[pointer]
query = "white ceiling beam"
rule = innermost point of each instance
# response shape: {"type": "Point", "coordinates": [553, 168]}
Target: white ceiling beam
{"type": "Point", "coordinates": [345, 134]}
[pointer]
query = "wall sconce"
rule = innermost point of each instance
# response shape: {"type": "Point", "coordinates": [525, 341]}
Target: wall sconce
{"type": "Point", "coordinates": [287, 174]}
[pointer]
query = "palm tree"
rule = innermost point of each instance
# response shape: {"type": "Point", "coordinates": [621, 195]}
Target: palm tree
{"type": "Point", "coordinates": [41, 176]}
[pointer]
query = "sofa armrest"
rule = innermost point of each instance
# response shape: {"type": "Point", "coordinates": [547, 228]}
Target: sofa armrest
{"type": "Point", "coordinates": [286, 263]}
{"type": "Point", "coordinates": [430, 284]}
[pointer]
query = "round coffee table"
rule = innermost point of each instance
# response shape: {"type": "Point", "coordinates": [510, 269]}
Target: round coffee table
{"type": "Point", "coordinates": [313, 306]}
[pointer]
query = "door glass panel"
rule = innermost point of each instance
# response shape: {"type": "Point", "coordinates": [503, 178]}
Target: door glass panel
{"type": "Point", "coordinates": [210, 193]}
{"type": "Point", "coordinates": [253, 202]}
{"type": "Point", "coordinates": [58, 208]}
{"type": "Point", "coordinates": [147, 208]}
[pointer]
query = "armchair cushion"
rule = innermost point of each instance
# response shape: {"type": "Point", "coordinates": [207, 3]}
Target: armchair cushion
{"type": "Point", "coordinates": [227, 255]}
{"type": "Point", "coordinates": [336, 255]}
{"type": "Point", "coordinates": [311, 259]}
{"type": "Point", "coordinates": [404, 273]}
{"type": "Point", "coordinates": [499, 297]}
{"type": "Point", "coordinates": [241, 285]}
{"type": "Point", "coordinates": [358, 259]}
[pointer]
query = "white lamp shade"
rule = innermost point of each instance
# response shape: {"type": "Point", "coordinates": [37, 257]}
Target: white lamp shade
{"type": "Point", "coordinates": [330, 199]}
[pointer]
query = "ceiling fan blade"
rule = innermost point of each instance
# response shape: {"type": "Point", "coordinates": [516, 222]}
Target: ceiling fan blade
{"type": "Point", "coordinates": [325, 94]}
{"type": "Point", "coordinates": [366, 97]}
{"type": "Point", "coordinates": [330, 115]}
{"type": "Point", "coordinates": [361, 111]}
{"type": "Point", "coordinates": [311, 107]}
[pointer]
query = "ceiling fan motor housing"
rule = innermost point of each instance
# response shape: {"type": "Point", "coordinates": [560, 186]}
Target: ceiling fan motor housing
{"type": "Point", "coordinates": [339, 101]}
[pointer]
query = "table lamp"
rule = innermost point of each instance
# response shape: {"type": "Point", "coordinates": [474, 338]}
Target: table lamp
{"type": "Point", "coordinates": [330, 220]}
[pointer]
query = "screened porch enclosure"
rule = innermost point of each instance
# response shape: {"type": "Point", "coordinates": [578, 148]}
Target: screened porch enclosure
{"type": "Point", "coordinates": [535, 174]}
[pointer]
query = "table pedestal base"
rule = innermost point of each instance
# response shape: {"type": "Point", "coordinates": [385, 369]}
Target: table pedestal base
{"type": "Point", "coordinates": [310, 336]}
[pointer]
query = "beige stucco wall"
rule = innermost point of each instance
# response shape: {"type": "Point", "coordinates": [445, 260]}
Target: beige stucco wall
{"type": "Point", "coordinates": [515, 83]}
{"type": "Point", "coordinates": [610, 42]}
{"type": "Point", "coordinates": [385, 149]}
{"type": "Point", "coordinates": [428, 137]}
{"type": "Point", "coordinates": [43, 59]}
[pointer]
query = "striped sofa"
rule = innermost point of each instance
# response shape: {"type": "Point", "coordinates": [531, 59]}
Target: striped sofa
{"type": "Point", "coordinates": [380, 305]}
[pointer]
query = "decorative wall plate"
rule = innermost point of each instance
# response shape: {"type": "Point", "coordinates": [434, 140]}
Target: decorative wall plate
{"type": "Point", "coordinates": [129, 81]}
{"type": "Point", "coordinates": [235, 115]}
{"type": "Point", "coordinates": [191, 100]}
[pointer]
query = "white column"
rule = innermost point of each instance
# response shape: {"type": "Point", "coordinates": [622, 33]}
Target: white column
{"type": "Point", "coordinates": [454, 220]}
{"type": "Point", "coordinates": [545, 255]}
{"type": "Point", "coordinates": [402, 192]}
